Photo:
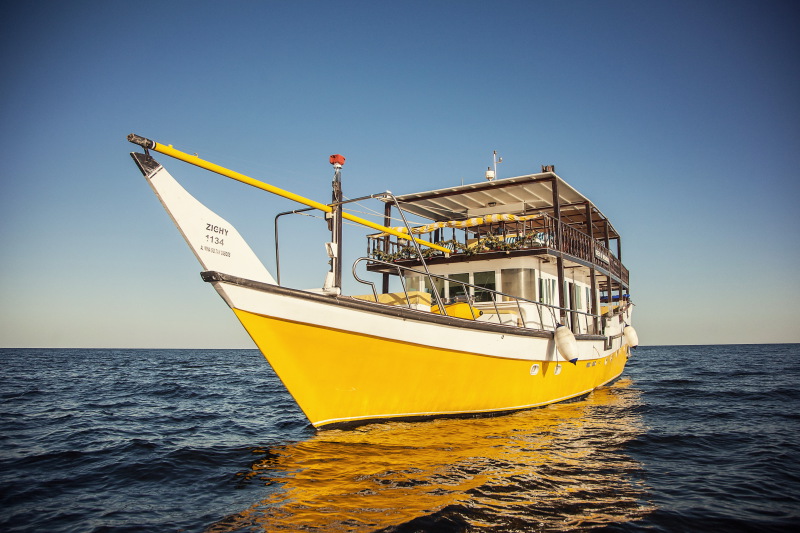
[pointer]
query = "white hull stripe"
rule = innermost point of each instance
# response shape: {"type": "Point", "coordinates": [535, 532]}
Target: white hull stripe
{"type": "Point", "coordinates": [396, 323]}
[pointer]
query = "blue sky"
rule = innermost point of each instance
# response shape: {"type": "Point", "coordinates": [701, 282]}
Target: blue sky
{"type": "Point", "coordinates": [680, 120]}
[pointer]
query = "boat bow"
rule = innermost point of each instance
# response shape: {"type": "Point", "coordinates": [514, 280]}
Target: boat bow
{"type": "Point", "coordinates": [214, 240]}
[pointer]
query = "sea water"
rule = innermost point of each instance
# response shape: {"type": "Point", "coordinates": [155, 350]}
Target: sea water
{"type": "Point", "coordinates": [690, 438]}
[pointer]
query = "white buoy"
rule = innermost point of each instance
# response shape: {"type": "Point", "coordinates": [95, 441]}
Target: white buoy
{"type": "Point", "coordinates": [630, 336]}
{"type": "Point", "coordinates": [566, 344]}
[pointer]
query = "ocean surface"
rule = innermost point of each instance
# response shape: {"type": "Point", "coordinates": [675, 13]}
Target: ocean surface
{"type": "Point", "coordinates": [690, 438]}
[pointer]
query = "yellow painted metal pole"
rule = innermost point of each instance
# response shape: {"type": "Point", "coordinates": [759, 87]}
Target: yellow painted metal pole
{"type": "Point", "coordinates": [194, 160]}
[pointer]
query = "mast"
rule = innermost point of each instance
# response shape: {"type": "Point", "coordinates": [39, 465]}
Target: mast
{"type": "Point", "coordinates": [335, 221]}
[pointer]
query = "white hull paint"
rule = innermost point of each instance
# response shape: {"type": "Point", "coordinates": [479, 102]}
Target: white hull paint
{"type": "Point", "coordinates": [463, 339]}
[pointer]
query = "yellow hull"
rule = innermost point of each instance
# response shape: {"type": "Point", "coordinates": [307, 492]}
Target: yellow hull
{"type": "Point", "coordinates": [341, 377]}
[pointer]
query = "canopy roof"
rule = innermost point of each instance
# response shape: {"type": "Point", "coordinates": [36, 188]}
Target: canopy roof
{"type": "Point", "coordinates": [521, 195]}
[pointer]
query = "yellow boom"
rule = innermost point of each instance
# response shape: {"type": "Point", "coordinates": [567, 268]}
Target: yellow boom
{"type": "Point", "coordinates": [194, 160]}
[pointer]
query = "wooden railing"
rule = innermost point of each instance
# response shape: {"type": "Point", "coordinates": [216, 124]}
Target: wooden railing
{"type": "Point", "coordinates": [537, 234]}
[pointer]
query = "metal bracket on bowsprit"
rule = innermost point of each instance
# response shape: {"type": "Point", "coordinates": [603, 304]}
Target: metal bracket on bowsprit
{"type": "Point", "coordinates": [147, 165]}
{"type": "Point", "coordinates": [143, 142]}
{"type": "Point", "coordinates": [144, 161]}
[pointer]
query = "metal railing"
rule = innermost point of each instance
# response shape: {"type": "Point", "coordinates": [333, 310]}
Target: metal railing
{"type": "Point", "coordinates": [571, 315]}
{"type": "Point", "coordinates": [536, 236]}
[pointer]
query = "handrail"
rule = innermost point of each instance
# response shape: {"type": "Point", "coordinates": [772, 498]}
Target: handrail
{"type": "Point", "coordinates": [294, 212]}
{"type": "Point", "coordinates": [419, 254]}
{"type": "Point", "coordinates": [384, 195]}
{"type": "Point", "coordinates": [539, 305]}
{"type": "Point", "coordinates": [277, 246]}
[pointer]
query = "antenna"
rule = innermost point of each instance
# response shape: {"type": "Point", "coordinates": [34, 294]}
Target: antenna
{"type": "Point", "coordinates": [491, 174]}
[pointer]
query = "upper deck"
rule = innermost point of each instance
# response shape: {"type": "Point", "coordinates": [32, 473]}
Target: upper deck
{"type": "Point", "coordinates": [536, 214]}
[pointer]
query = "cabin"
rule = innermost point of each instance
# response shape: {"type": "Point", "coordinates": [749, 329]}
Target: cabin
{"type": "Point", "coordinates": [529, 251]}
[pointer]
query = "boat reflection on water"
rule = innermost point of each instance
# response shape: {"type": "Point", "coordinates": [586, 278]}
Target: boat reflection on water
{"type": "Point", "coordinates": [558, 468]}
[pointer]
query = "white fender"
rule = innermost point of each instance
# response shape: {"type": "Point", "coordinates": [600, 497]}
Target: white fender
{"type": "Point", "coordinates": [566, 344]}
{"type": "Point", "coordinates": [630, 336]}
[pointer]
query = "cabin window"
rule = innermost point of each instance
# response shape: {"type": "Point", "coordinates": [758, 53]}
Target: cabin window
{"type": "Point", "coordinates": [486, 280]}
{"type": "Point", "coordinates": [519, 282]}
{"type": "Point", "coordinates": [572, 295]}
{"type": "Point", "coordinates": [547, 291]}
{"type": "Point", "coordinates": [412, 283]}
{"type": "Point", "coordinates": [438, 283]}
{"type": "Point", "coordinates": [542, 291]}
{"type": "Point", "coordinates": [456, 289]}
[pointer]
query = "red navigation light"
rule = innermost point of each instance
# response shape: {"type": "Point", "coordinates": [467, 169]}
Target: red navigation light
{"type": "Point", "coordinates": [337, 159]}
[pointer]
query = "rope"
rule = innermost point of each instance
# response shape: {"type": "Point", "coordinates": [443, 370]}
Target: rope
{"type": "Point", "coordinates": [345, 222]}
{"type": "Point", "coordinates": [372, 212]}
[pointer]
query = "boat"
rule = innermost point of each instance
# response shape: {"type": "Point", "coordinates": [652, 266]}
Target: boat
{"type": "Point", "coordinates": [510, 294]}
